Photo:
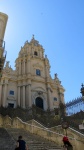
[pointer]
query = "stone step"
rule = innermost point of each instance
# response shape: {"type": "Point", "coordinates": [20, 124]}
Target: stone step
{"type": "Point", "coordinates": [34, 142]}
{"type": "Point", "coordinates": [6, 141]}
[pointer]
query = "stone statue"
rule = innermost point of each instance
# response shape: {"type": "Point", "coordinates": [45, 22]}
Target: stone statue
{"type": "Point", "coordinates": [7, 64]}
{"type": "Point", "coordinates": [55, 75]}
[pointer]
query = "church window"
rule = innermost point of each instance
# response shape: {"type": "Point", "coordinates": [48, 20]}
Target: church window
{"type": "Point", "coordinates": [11, 92]}
{"type": "Point", "coordinates": [38, 72]}
{"type": "Point", "coordinates": [35, 53]}
{"type": "Point", "coordinates": [55, 99]}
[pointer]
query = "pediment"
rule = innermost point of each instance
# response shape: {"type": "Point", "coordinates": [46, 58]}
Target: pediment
{"type": "Point", "coordinates": [11, 98]}
{"type": "Point", "coordinates": [39, 89]}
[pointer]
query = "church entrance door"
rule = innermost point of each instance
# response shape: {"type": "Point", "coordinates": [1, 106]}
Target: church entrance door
{"type": "Point", "coordinates": [39, 102]}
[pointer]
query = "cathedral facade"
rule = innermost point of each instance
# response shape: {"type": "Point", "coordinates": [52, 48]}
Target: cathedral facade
{"type": "Point", "coordinates": [30, 83]}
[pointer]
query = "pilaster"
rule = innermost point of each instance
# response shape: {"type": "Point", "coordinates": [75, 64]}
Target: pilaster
{"type": "Point", "coordinates": [28, 65]}
{"type": "Point", "coordinates": [19, 67]}
{"type": "Point", "coordinates": [29, 95]}
{"type": "Point", "coordinates": [49, 98]}
{"type": "Point", "coordinates": [23, 66]}
{"type": "Point", "coordinates": [5, 96]}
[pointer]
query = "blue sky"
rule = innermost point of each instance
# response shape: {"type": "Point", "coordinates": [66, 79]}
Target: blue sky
{"type": "Point", "coordinates": [58, 25]}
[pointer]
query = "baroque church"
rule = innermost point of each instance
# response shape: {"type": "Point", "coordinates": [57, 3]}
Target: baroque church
{"type": "Point", "coordinates": [30, 83]}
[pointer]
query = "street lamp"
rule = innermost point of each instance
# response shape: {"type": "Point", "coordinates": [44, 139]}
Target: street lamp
{"type": "Point", "coordinates": [82, 91]}
{"type": "Point", "coordinates": [65, 126]}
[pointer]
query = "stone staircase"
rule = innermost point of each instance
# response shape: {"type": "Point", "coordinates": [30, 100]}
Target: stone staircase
{"type": "Point", "coordinates": [6, 141]}
{"type": "Point", "coordinates": [33, 141]}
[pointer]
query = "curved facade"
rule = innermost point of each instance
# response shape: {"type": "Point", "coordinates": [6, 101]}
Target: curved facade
{"type": "Point", "coordinates": [3, 22]}
{"type": "Point", "coordinates": [30, 83]}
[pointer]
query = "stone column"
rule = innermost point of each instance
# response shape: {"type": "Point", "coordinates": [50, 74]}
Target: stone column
{"type": "Point", "coordinates": [23, 105]}
{"type": "Point", "coordinates": [18, 102]}
{"type": "Point", "coordinates": [29, 95]}
{"type": "Point", "coordinates": [46, 73]}
{"type": "Point", "coordinates": [30, 102]}
{"type": "Point", "coordinates": [48, 96]}
{"type": "Point", "coordinates": [0, 93]}
{"type": "Point", "coordinates": [26, 98]}
{"type": "Point", "coordinates": [19, 67]}
{"type": "Point", "coordinates": [24, 67]}
{"type": "Point", "coordinates": [49, 99]}
{"type": "Point", "coordinates": [28, 65]}
{"type": "Point", "coordinates": [5, 96]}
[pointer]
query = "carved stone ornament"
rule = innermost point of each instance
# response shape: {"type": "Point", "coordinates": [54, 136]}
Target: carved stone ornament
{"type": "Point", "coordinates": [37, 65]}
{"type": "Point", "coordinates": [40, 92]}
{"type": "Point", "coordinates": [11, 98]}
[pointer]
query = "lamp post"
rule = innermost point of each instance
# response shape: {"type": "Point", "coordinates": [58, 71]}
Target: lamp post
{"type": "Point", "coordinates": [65, 126]}
{"type": "Point", "coordinates": [82, 91]}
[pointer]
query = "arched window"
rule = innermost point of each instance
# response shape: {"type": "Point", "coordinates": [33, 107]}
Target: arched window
{"type": "Point", "coordinates": [35, 53]}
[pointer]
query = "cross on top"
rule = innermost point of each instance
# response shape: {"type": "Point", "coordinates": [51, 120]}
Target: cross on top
{"type": "Point", "coordinates": [82, 85]}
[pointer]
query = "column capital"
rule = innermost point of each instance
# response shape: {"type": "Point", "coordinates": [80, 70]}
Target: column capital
{"type": "Point", "coordinates": [24, 60]}
{"type": "Point", "coordinates": [19, 60]}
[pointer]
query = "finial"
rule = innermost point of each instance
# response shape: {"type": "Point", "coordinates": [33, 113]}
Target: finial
{"type": "Point", "coordinates": [7, 64]}
{"type": "Point", "coordinates": [55, 75]}
{"type": "Point", "coordinates": [26, 41]}
{"type": "Point", "coordinates": [33, 36]}
{"type": "Point", "coordinates": [82, 85]}
{"type": "Point", "coordinates": [45, 56]}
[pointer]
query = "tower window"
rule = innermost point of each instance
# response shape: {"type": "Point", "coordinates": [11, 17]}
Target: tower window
{"type": "Point", "coordinates": [11, 92]}
{"type": "Point", "coordinates": [35, 53]}
{"type": "Point", "coordinates": [55, 99]}
{"type": "Point", "coordinates": [38, 72]}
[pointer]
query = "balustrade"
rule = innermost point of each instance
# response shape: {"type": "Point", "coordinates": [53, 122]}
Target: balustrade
{"type": "Point", "coordinates": [2, 43]}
